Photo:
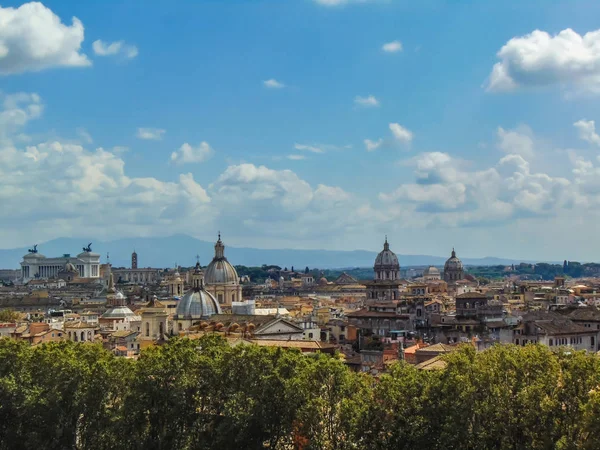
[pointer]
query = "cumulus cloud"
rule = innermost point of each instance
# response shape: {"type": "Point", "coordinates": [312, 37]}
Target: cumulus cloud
{"type": "Point", "coordinates": [153, 134]}
{"type": "Point", "coordinates": [278, 203]}
{"type": "Point", "coordinates": [369, 101]}
{"type": "Point", "coordinates": [102, 48]}
{"type": "Point", "coordinates": [519, 141]}
{"type": "Point", "coordinates": [400, 133]}
{"type": "Point", "coordinates": [392, 47]}
{"type": "Point", "coordinates": [273, 84]}
{"type": "Point", "coordinates": [540, 59]}
{"type": "Point", "coordinates": [587, 131]}
{"type": "Point", "coordinates": [53, 189]}
{"type": "Point", "coordinates": [446, 192]}
{"type": "Point", "coordinates": [33, 38]}
{"type": "Point", "coordinates": [189, 154]}
{"type": "Point", "coordinates": [373, 145]}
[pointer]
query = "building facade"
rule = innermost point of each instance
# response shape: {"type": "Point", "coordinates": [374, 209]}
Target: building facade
{"type": "Point", "coordinates": [137, 276]}
{"type": "Point", "coordinates": [35, 265]}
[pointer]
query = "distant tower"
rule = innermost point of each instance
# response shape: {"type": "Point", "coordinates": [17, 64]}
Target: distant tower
{"type": "Point", "coordinates": [134, 260]}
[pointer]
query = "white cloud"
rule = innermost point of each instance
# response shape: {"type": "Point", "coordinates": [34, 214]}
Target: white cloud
{"type": "Point", "coordinates": [273, 84]}
{"type": "Point", "coordinates": [102, 48]}
{"type": "Point", "coordinates": [587, 131]}
{"type": "Point", "coordinates": [400, 133]}
{"type": "Point", "coordinates": [309, 148]}
{"type": "Point", "coordinates": [33, 38]}
{"type": "Point", "coordinates": [392, 47]}
{"type": "Point", "coordinates": [296, 157]}
{"type": "Point", "coordinates": [153, 134]}
{"type": "Point", "coordinates": [54, 189]}
{"type": "Point", "coordinates": [446, 192]}
{"type": "Point", "coordinates": [369, 101]}
{"type": "Point", "coordinates": [519, 142]}
{"type": "Point", "coordinates": [373, 145]}
{"type": "Point", "coordinates": [279, 204]}
{"type": "Point", "coordinates": [119, 149]}
{"type": "Point", "coordinates": [539, 59]}
{"type": "Point", "coordinates": [17, 110]}
{"type": "Point", "coordinates": [189, 154]}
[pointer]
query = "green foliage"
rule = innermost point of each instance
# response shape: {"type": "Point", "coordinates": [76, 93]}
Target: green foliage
{"type": "Point", "coordinates": [206, 394]}
{"type": "Point", "coordinates": [8, 315]}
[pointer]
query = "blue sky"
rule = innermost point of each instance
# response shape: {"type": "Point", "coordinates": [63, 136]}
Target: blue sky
{"type": "Point", "coordinates": [492, 161]}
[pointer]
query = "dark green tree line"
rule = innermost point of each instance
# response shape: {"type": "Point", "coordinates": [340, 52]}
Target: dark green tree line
{"type": "Point", "coordinates": [205, 394]}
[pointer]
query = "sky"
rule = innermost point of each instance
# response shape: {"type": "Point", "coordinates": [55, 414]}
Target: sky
{"type": "Point", "coordinates": [313, 124]}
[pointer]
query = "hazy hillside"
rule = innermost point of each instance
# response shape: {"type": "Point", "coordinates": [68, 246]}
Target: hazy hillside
{"type": "Point", "coordinates": [182, 249]}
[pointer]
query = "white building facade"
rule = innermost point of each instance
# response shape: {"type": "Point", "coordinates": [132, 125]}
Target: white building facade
{"type": "Point", "coordinates": [35, 265]}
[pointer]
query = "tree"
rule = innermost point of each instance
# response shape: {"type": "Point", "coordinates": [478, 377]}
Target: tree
{"type": "Point", "coordinates": [8, 315]}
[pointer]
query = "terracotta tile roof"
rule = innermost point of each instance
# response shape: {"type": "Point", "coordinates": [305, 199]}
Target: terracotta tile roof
{"type": "Point", "coordinates": [438, 348]}
{"type": "Point", "coordinates": [435, 363]}
{"type": "Point", "coordinates": [123, 333]}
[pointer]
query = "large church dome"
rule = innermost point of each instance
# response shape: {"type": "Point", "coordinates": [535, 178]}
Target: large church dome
{"type": "Point", "coordinates": [386, 265]}
{"type": "Point", "coordinates": [453, 269]}
{"type": "Point", "coordinates": [453, 263]}
{"type": "Point", "coordinates": [220, 271]}
{"type": "Point", "coordinates": [387, 258]}
{"type": "Point", "coordinates": [197, 304]}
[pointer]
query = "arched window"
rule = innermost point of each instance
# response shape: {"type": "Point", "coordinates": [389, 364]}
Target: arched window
{"type": "Point", "coordinates": [75, 335]}
{"type": "Point", "coordinates": [233, 297]}
{"type": "Point", "coordinates": [147, 328]}
{"type": "Point", "coordinates": [82, 336]}
{"type": "Point", "coordinates": [180, 326]}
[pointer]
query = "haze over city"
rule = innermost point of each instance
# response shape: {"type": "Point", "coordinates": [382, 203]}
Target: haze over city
{"type": "Point", "coordinates": [304, 124]}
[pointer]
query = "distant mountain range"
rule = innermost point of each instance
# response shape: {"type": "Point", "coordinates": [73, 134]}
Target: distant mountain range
{"type": "Point", "coordinates": [182, 249]}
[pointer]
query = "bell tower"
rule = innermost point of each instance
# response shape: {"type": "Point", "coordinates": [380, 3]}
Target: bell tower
{"type": "Point", "coordinates": [134, 260]}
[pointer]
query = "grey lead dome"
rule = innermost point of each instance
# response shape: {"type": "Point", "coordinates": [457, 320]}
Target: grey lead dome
{"type": "Point", "coordinates": [197, 304]}
{"type": "Point", "coordinates": [220, 270]}
{"type": "Point", "coordinates": [453, 263]}
{"type": "Point", "coordinates": [387, 258]}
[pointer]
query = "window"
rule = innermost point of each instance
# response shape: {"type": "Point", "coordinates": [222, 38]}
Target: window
{"type": "Point", "coordinates": [551, 343]}
{"type": "Point", "coordinates": [220, 298]}
{"type": "Point", "coordinates": [233, 297]}
{"type": "Point", "coordinates": [310, 335]}
{"type": "Point", "coordinates": [517, 341]}
{"type": "Point", "coordinates": [82, 336]}
{"type": "Point", "coordinates": [147, 328]}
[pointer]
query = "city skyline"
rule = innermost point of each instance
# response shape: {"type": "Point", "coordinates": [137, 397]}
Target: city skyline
{"type": "Point", "coordinates": [308, 124]}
